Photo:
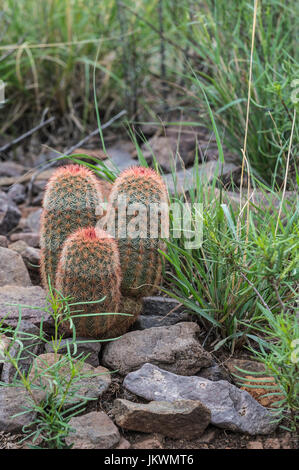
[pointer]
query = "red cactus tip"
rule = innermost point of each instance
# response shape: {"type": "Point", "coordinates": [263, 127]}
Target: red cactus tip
{"type": "Point", "coordinates": [140, 171]}
{"type": "Point", "coordinates": [72, 170]}
{"type": "Point", "coordinates": [89, 234]}
{"type": "Point", "coordinates": [143, 172]}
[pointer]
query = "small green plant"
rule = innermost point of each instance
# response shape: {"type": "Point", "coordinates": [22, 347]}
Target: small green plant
{"type": "Point", "coordinates": [53, 389]}
{"type": "Point", "coordinates": [278, 351]}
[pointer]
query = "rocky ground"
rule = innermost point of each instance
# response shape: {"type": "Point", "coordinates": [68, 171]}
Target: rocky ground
{"type": "Point", "coordinates": [169, 392]}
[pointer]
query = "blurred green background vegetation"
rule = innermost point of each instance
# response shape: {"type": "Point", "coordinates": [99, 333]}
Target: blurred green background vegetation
{"type": "Point", "coordinates": [151, 56]}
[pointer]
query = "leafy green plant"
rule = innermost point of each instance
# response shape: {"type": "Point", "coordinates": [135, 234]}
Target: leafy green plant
{"type": "Point", "coordinates": [53, 391]}
{"type": "Point", "coordinates": [277, 348]}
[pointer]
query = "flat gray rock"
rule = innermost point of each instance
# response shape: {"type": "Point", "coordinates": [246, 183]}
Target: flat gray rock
{"type": "Point", "coordinates": [186, 180]}
{"type": "Point", "coordinates": [159, 311]}
{"type": "Point", "coordinates": [13, 400]}
{"type": "Point", "coordinates": [31, 256]}
{"type": "Point", "coordinates": [93, 430]}
{"type": "Point", "coordinates": [231, 408]}
{"type": "Point", "coordinates": [182, 419]}
{"type": "Point", "coordinates": [13, 269]}
{"type": "Point", "coordinates": [11, 169]}
{"type": "Point", "coordinates": [31, 238]}
{"type": "Point", "coordinates": [9, 214]}
{"type": "Point", "coordinates": [175, 348]}
{"type": "Point", "coordinates": [33, 220]}
{"type": "Point", "coordinates": [120, 157]}
{"type": "Point", "coordinates": [33, 296]}
{"type": "Point", "coordinates": [17, 193]}
{"type": "Point", "coordinates": [28, 336]}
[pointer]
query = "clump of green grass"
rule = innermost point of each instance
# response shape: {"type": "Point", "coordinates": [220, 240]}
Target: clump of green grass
{"type": "Point", "coordinates": [277, 348]}
{"type": "Point", "coordinates": [221, 37]}
{"type": "Point", "coordinates": [232, 274]}
{"type": "Point", "coordinates": [48, 51]}
{"type": "Point", "coordinates": [144, 53]}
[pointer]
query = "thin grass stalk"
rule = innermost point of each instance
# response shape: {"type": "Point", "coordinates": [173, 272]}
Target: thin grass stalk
{"type": "Point", "coordinates": [248, 101]}
{"type": "Point", "coordinates": [244, 159]}
{"type": "Point", "coordinates": [286, 173]}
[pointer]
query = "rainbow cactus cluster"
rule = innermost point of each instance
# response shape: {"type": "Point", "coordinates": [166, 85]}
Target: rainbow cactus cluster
{"type": "Point", "coordinates": [87, 263]}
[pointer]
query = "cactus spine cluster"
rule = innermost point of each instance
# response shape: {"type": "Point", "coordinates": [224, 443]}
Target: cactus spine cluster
{"type": "Point", "coordinates": [71, 198]}
{"type": "Point", "coordinates": [85, 262]}
{"type": "Point", "coordinates": [143, 190]}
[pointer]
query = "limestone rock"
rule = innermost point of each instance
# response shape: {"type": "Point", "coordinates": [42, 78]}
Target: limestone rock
{"type": "Point", "coordinates": [93, 430]}
{"type": "Point", "coordinates": [9, 214]}
{"type": "Point", "coordinates": [11, 296]}
{"type": "Point", "coordinates": [175, 348]}
{"type": "Point", "coordinates": [182, 419]}
{"type": "Point", "coordinates": [231, 408]}
{"type": "Point", "coordinates": [13, 269]}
